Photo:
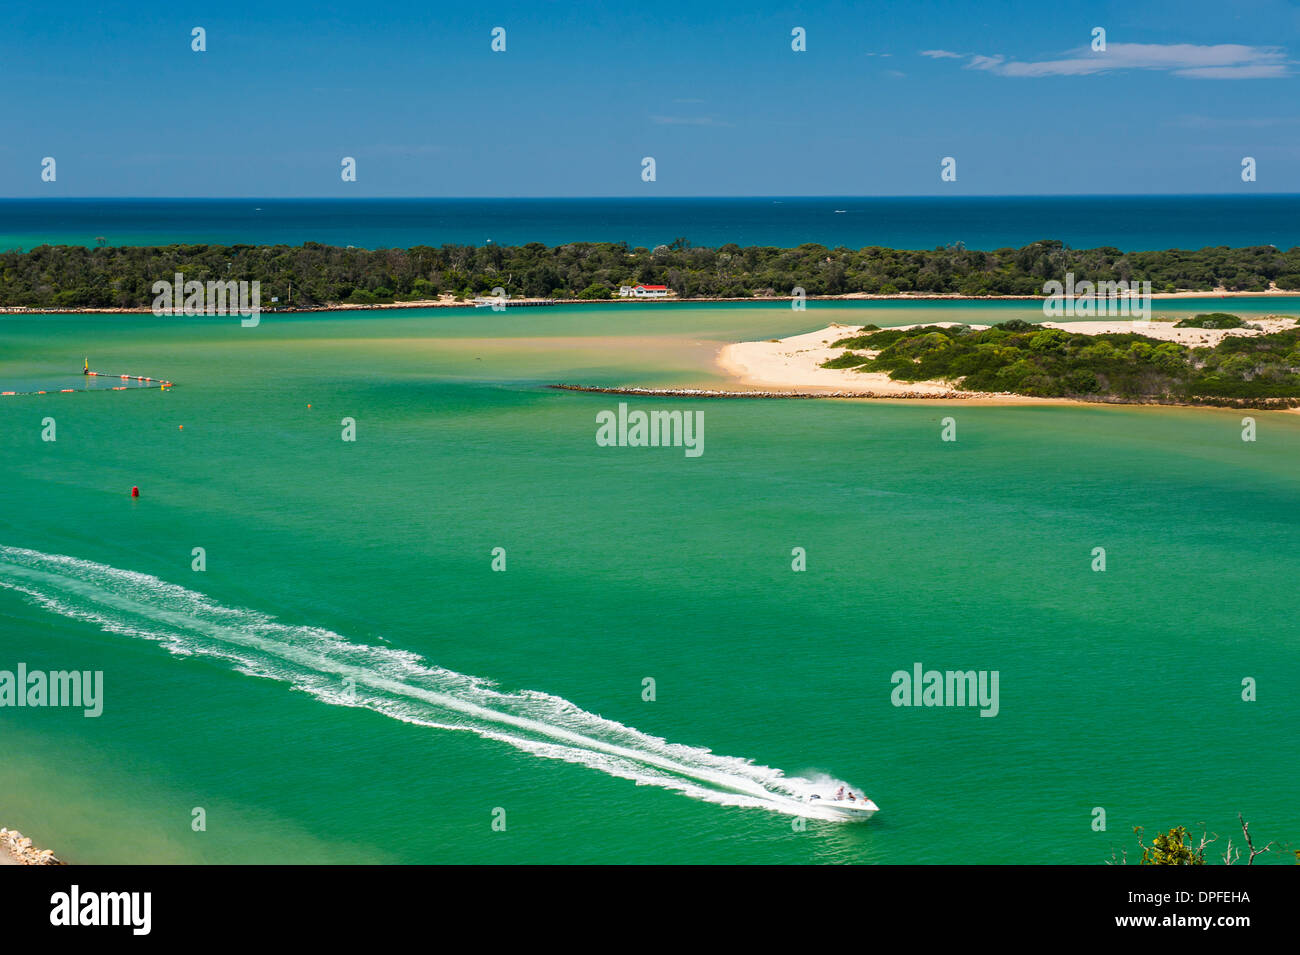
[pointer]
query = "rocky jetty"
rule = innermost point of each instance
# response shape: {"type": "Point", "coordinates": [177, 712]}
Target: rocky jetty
{"type": "Point", "coordinates": [711, 393]}
{"type": "Point", "coordinates": [23, 852]}
{"type": "Point", "coordinates": [1241, 404]}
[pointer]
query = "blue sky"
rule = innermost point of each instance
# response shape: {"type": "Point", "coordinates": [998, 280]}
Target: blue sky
{"type": "Point", "coordinates": [712, 91]}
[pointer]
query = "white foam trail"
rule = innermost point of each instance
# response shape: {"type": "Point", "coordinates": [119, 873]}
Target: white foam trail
{"type": "Point", "coordinates": [396, 683]}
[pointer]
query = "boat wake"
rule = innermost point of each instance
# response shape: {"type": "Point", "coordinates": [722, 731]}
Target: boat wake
{"type": "Point", "coordinates": [395, 683]}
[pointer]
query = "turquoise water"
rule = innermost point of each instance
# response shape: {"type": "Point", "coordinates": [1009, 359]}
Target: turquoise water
{"type": "Point", "coordinates": [1128, 222]}
{"type": "Point", "coordinates": [227, 689]}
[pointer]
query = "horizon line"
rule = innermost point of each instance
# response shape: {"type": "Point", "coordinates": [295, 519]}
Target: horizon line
{"type": "Point", "coordinates": [1054, 195]}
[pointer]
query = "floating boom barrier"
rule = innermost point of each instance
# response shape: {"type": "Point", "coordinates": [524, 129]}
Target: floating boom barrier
{"type": "Point", "coordinates": [142, 381]}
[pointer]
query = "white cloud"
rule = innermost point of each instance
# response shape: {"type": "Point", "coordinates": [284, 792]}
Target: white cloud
{"type": "Point", "coordinates": [1222, 61]}
{"type": "Point", "coordinates": [942, 54]}
{"type": "Point", "coordinates": [1259, 71]}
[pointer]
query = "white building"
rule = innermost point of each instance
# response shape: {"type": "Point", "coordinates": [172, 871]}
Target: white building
{"type": "Point", "coordinates": [643, 291]}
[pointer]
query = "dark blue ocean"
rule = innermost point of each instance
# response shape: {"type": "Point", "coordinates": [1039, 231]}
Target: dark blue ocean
{"type": "Point", "coordinates": [1126, 222]}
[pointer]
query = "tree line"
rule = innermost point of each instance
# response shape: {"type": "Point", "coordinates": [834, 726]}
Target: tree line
{"type": "Point", "coordinates": [79, 277]}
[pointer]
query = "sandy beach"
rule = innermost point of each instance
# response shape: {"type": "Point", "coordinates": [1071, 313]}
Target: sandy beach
{"type": "Point", "coordinates": [794, 363]}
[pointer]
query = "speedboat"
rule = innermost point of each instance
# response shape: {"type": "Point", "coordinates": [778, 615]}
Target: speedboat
{"type": "Point", "coordinates": [861, 808]}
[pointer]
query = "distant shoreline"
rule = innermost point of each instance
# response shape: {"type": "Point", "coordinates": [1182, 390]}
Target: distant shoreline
{"type": "Point", "coordinates": [847, 297]}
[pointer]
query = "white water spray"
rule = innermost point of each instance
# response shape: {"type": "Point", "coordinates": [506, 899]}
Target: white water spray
{"type": "Point", "coordinates": [396, 683]}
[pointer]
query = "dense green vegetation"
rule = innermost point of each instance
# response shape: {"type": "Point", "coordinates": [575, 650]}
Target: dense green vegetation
{"type": "Point", "coordinates": [76, 277]}
{"type": "Point", "coordinates": [1212, 320]}
{"type": "Point", "coordinates": [1028, 359]}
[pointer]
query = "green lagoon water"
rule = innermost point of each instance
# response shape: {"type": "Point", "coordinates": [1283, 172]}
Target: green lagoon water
{"type": "Point", "coordinates": [370, 562]}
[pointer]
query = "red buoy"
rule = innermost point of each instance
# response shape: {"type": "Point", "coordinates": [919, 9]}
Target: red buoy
{"type": "Point", "coordinates": [135, 492]}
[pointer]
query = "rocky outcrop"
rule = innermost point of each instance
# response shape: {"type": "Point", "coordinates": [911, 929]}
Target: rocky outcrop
{"type": "Point", "coordinates": [22, 850]}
